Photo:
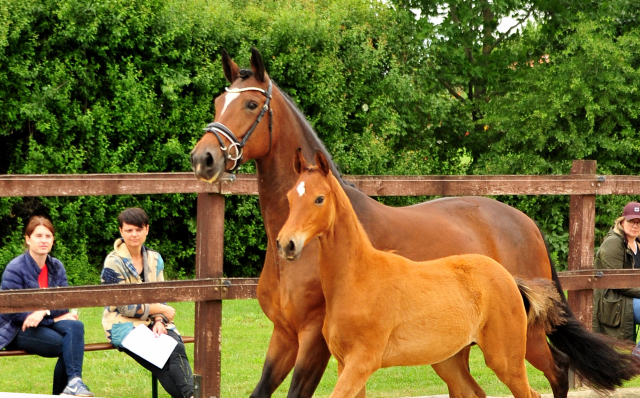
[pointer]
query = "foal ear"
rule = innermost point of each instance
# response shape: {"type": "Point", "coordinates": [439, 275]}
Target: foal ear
{"type": "Point", "coordinates": [322, 163]}
{"type": "Point", "coordinates": [231, 70]}
{"type": "Point", "coordinates": [299, 163]}
{"type": "Point", "coordinates": [256, 64]}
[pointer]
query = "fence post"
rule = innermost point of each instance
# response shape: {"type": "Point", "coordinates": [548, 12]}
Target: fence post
{"type": "Point", "coordinates": [582, 224]}
{"type": "Point", "coordinates": [208, 322]}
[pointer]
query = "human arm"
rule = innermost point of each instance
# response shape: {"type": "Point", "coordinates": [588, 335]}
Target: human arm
{"type": "Point", "coordinates": [116, 272]}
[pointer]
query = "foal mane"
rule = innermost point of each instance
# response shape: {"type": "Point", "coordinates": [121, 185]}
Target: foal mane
{"type": "Point", "coordinates": [308, 132]}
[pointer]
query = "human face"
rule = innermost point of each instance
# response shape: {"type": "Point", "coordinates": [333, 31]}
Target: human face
{"type": "Point", "coordinates": [133, 235]}
{"type": "Point", "coordinates": [40, 242]}
{"type": "Point", "coordinates": [632, 227]}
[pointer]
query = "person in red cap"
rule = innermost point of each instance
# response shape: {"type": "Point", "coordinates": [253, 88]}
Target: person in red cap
{"type": "Point", "coordinates": [617, 311]}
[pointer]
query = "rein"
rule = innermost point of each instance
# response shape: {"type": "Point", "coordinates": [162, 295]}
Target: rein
{"type": "Point", "coordinates": [220, 130]}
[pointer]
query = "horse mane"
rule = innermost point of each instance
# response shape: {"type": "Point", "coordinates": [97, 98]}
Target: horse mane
{"type": "Point", "coordinates": [308, 131]}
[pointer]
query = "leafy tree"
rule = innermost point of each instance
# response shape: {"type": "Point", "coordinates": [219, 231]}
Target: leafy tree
{"type": "Point", "coordinates": [118, 86]}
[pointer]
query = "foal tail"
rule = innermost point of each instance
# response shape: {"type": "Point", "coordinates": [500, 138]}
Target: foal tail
{"type": "Point", "coordinates": [543, 303]}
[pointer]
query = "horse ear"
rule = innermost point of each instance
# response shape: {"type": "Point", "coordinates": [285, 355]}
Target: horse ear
{"type": "Point", "coordinates": [299, 163]}
{"type": "Point", "coordinates": [322, 163]}
{"type": "Point", "coordinates": [256, 64]}
{"type": "Point", "coordinates": [231, 70]}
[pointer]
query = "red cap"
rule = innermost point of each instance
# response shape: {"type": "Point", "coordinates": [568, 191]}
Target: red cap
{"type": "Point", "coordinates": [631, 211]}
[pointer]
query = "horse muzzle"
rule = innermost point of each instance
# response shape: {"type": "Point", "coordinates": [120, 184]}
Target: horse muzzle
{"type": "Point", "coordinates": [207, 163]}
{"type": "Point", "coordinates": [291, 250]}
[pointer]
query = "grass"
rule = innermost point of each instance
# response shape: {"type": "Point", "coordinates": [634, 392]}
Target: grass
{"type": "Point", "coordinates": [245, 337]}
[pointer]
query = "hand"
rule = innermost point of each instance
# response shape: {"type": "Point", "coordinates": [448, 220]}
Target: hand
{"type": "Point", "coordinates": [169, 312]}
{"type": "Point", "coordinates": [66, 317]}
{"type": "Point", "coordinates": [33, 319]}
{"type": "Point", "coordinates": [158, 329]}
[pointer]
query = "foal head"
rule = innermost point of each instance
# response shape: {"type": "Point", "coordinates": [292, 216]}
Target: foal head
{"type": "Point", "coordinates": [312, 205]}
{"type": "Point", "coordinates": [239, 111]}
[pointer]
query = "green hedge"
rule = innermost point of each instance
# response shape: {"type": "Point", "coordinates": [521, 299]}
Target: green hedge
{"type": "Point", "coordinates": [126, 86]}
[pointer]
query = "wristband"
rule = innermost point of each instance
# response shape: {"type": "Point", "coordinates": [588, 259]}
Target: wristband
{"type": "Point", "coordinates": [48, 313]}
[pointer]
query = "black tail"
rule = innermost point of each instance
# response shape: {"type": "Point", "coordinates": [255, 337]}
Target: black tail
{"type": "Point", "coordinates": [603, 362]}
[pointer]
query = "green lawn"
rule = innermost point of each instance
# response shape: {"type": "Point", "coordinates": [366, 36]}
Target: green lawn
{"type": "Point", "coordinates": [245, 338]}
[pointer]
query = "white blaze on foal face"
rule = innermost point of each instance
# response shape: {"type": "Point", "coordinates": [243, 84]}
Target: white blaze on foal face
{"type": "Point", "coordinates": [300, 188]}
{"type": "Point", "coordinates": [228, 99]}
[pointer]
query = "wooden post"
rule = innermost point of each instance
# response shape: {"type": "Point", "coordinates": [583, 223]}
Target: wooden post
{"type": "Point", "coordinates": [582, 224]}
{"type": "Point", "coordinates": [208, 322]}
{"type": "Point", "coordinates": [582, 216]}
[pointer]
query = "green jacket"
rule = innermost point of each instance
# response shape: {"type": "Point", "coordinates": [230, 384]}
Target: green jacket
{"type": "Point", "coordinates": [613, 308]}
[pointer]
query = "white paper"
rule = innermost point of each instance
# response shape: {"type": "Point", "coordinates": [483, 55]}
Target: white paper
{"type": "Point", "coordinates": [143, 342]}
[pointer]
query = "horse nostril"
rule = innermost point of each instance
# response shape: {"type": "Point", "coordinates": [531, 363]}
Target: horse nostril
{"type": "Point", "coordinates": [291, 247]}
{"type": "Point", "coordinates": [208, 159]}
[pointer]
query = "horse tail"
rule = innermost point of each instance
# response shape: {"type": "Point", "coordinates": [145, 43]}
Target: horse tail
{"type": "Point", "coordinates": [543, 303]}
{"type": "Point", "coordinates": [603, 362]}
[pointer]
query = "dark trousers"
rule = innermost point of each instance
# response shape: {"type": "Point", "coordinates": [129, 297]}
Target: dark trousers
{"type": "Point", "coordinates": [176, 376]}
{"type": "Point", "coordinates": [63, 340]}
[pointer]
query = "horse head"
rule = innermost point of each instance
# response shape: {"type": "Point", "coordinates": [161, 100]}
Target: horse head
{"type": "Point", "coordinates": [239, 110]}
{"type": "Point", "coordinates": [311, 205]}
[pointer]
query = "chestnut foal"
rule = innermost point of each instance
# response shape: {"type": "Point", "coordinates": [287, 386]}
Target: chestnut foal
{"type": "Point", "coordinates": [385, 310]}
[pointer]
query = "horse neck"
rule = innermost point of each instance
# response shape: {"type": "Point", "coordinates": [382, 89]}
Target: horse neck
{"type": "Point", "coordinates": [276, 175]}
{"type": "Point", "coordinates": [344, 247]}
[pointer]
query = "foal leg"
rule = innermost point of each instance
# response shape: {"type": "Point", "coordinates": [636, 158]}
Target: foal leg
{"type": "Point", "coordinates": [455, 372]}
{"type": "Point", "coordinates": [553, 363]}
{"type": "Point", "coordinates": [503, 343]}
{"type": "Point", "coordinates": [281, 357]}
{"type": "Point", "coordinates": [353, 376]}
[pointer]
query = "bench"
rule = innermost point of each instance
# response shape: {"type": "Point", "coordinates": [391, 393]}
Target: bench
{"type": "Point", "coordinates": [101, 347]}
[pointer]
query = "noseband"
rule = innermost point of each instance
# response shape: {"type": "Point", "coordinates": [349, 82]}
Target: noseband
{"type": "Point", "coordinates": [220, 130]}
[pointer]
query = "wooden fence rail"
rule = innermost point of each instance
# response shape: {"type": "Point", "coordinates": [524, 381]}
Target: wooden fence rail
{"type": "Point", "coordinates": [210, 288]}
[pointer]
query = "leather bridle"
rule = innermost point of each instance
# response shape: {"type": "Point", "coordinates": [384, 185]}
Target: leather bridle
{"type": "Point", "coordinates": [220, 130]}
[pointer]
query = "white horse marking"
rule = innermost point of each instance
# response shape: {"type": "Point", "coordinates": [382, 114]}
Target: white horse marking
{"type": "Point", "coordinates": [228, 99]}
{"type": "Point", "coordinates": [300, 188]}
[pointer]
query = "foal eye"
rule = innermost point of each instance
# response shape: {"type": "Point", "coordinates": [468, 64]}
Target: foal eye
{"type": "Point", "coordinates": [319, 200]}
{"type": "Point", "coordinates": [252, 105]}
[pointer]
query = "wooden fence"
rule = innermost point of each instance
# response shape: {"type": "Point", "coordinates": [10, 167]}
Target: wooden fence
{"type": "Point", "coordinates": [210, 288]}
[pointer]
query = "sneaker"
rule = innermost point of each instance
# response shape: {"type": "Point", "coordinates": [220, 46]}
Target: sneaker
{"type": "Point", "coordinates": [77, 389]}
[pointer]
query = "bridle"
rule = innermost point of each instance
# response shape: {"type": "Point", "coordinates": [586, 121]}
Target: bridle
{"type": "Point", "coordinates": [220, 130]}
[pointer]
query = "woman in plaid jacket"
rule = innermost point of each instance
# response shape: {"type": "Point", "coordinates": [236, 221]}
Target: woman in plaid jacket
{"type": "Point", "coordinates": [132, 262]}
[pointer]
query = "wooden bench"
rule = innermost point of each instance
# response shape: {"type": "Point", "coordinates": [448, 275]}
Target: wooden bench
{"type": "Point", "coordinates": [101, 347]}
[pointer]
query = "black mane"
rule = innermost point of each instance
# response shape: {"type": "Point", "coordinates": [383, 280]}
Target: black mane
{"type": "Point", "coordinates": [312, 137]}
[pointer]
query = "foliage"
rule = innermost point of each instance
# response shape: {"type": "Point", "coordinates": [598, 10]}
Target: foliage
{"type": "Point", "coordinates": [119, 86]}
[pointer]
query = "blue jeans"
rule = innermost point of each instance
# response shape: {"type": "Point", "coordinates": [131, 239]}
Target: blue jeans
{"type": "Point", "coordinates": [636, 311]}
{"type": "Point", "coordinates": [63, 340]}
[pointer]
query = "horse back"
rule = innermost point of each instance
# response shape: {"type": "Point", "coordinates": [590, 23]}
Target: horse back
{"type": "Point", "coordinates": [457, 225]}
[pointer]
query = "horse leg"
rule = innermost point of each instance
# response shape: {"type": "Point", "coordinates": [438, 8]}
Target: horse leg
{"type": "Point", "coordinates": [553, 363]}
{"type": "Point", "coordinates": [353, 376]}
{"type": "Point", "coordinates": [503, 343]}
{"type": "Point", "coordinates": [455, 372]}
{"type": "Point", "coordinates": [310, 364]}
{"type": "Point", "coordinates": [281, 357]}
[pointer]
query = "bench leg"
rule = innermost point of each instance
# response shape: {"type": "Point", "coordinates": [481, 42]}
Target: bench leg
{"type": "Point", "coordinates": [154, 386]}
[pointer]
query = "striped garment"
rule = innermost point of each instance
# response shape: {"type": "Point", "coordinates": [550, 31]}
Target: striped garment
{"type": "Point", "coordinates": [118, 321]}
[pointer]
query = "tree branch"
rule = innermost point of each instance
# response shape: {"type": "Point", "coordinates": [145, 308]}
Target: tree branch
{"type": "Point", "coordinates": [506, 34]}
{"type": "Point", "coordinates": [450, 89]}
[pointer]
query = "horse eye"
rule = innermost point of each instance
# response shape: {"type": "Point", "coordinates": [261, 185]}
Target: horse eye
{"type": "Point", "coordinates": [320, 200]}
{"type": "Point", "coordinates": [252, 105]}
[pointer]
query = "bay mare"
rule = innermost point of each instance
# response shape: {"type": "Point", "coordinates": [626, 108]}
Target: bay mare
{"type": "Point", "coordinates": [258, 116]}
{"type": "Point", "coordinates": [384, 310]}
